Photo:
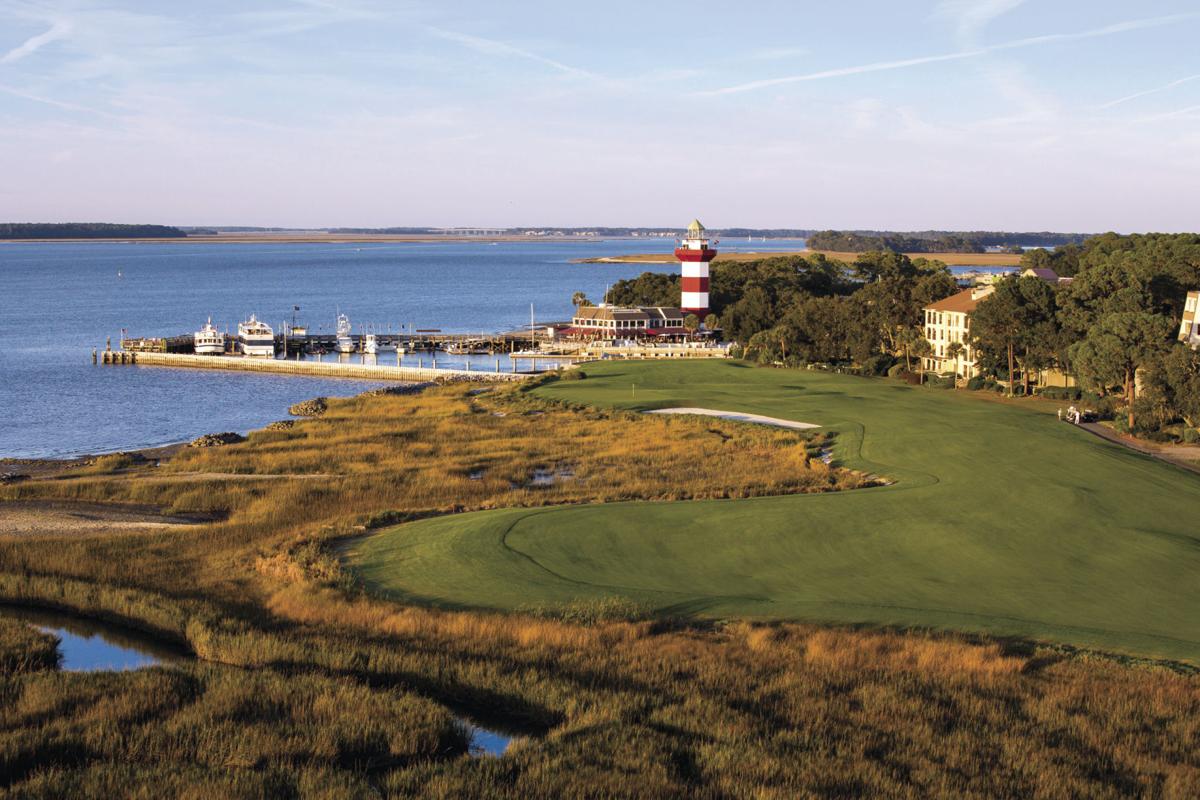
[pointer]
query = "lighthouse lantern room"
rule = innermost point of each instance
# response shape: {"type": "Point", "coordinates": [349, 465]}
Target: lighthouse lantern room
{"type": "Point", "coordinates": [694, 254]}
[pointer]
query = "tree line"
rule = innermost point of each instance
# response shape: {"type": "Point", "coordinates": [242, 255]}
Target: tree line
{"type": "Point", "coordinates": [1112, 327]}
{"type": "Point", "coordinates": [86, 230]}
{"type": "Point", "coordinates": [937, 241]}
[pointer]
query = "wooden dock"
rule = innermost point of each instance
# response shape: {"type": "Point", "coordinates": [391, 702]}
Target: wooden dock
{"type": "Point", "coordinates": [317, 369]}
{"type": "Point", "coordinates": [424, 341]}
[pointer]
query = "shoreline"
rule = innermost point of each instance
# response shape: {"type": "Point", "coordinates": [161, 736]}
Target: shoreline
{"type": "Point", "coordinates": [312, 238]}
{"type": "Point", "coordinates": [950, 259]}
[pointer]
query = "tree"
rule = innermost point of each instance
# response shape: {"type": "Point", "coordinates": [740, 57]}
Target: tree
{"type": "Point", "coordinates": [955, 351]}
{"type": "Point", "coordinates": [996, 325]}
{"type": "Point", "coordinates": [1180, 371]}
{"type": "Point", "coordinates": [1016, 322]}
{"type": "Point", "coordinates": [711, 322]}
{"type": "Point", "coordinates": [691, 323]}
{"type": "Point", "coordinates": [579, 300]}
{"type": "Point", "coordinates": [921, 349]}
{"type": "Point", "coordinates": [1117, 347]}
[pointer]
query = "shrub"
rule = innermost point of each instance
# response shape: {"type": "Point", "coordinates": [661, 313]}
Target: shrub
{"type": "Point", "coordinates": [574, 375]}
{"type": "Point", "coordinates": [880, 364]}
{"type": "Point", "coordinates": [1191, 436]}
{"type": "Point", "coordinates": [1070, 393]}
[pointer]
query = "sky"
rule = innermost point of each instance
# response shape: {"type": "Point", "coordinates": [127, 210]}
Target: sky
{"type": "Point", "coordinates": [1066, 115]}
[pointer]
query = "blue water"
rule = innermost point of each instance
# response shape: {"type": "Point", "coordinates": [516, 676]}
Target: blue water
{"type": "Point", "coordinates": [485, 742]}
{"type": "Point", "coordinates": [87, 645]}
{"type": "Point", "coordinates": [59, 301]}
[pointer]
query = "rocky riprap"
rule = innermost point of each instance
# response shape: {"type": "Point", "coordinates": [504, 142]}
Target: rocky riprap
{"type": "Point", "coordinates": [12, 477]}
{"type": "Point", "coordinates": [217, 440]}
{"type": "Point", "coordinates": [309, 408]}
{"type": "Point", "coordinates": [282, 425]}
{"type": "Point", "coordinates": [406, 388]}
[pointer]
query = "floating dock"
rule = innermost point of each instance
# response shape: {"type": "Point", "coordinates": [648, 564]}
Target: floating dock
{"type": "Point", "coordinates": [318, 369]}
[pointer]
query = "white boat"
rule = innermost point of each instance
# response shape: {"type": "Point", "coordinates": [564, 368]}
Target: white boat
{"type": "Point", "coordinates": [377, 344]}
{"type": "Point", "coordinates": [209, 341]}
{"type": "Point", "coordinates": [345, 342]}
{"type": "Point", "coordinates": [257, 338]}
{"type": "Point", "coordinates": [370, 345]}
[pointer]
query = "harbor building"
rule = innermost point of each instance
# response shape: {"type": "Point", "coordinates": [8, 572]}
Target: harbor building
{"type": "Point", "coordinates": [613, 322]}
{"type": "Point", "coordinates": [695, 251]}
{"type": "Point", "coordinates": [1189, 327]}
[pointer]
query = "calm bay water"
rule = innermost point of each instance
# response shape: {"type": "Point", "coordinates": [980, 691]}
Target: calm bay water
{"type": "Point", "coordinates": [59, 301]}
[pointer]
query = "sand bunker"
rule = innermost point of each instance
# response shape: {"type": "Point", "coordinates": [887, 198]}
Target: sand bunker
{"type": "Point", "coordinates": [737, 416]}
{"type": "Point", "coordinates": [39, 518]}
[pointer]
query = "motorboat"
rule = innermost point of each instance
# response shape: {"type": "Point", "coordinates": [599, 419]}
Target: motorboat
{"type": "Point", "coordinates": [345, 340]}
{"type": "Point", "coordinates": [208, 341]}
{"type": "Point", "coordinates": [256, 338]}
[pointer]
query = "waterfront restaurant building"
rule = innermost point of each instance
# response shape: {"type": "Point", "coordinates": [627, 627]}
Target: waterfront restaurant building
{"type": "Point", "coordinates": [613, 322]}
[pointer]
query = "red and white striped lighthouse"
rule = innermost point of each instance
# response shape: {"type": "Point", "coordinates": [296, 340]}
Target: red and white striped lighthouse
{"type": "Point", "coordinates": [694, 254]}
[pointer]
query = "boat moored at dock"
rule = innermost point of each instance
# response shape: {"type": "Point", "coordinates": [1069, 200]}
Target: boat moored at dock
{"type": "Point", "coordinates": [345, 340]}
{"type": "Point", "coordinates": [208, 341]}
{"type": "Point", "coordinates": [256, 338]}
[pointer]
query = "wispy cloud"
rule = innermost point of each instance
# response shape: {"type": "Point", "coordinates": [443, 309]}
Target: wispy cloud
{"type": "Point", "coordinates": [971, 17]}
{"type": "Point", "coordinates": [1016, 44]}
{"type": "Point", "coordinates": [494, 47]}
{"type": "Point", "coordinates": [777, 53]}
{"type": "Point", "coordinates": [58, 30]}
{"type": "Point", "coordinates": [1137, 95]}
{"type": "Point", "coordinates": [1183, 112]}
{"type": "Point", "coordinates": [50, 101]}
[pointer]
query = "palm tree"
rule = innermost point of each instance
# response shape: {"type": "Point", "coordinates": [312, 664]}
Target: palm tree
{"type": "Point", "coordinates": [580, 299]}
{"type": "Point", "coordinates": [691, 323]}
{"type": "Point", "coordinates": [955, 351]}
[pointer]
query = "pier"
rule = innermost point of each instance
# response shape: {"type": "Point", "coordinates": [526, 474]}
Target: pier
{"type": "Point", "coordinates": [318, 369]}
{"type": "Point", "coordinates": [421, 341]}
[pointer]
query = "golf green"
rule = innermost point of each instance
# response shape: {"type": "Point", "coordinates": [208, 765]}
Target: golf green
{"type": "Point", "coordinates": [1002, 520]}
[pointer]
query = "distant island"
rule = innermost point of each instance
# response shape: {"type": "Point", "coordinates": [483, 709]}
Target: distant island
{"type": "Point", "coordinates": [86, 230]}
{"type": "Point", "coordinates": [938, 241]}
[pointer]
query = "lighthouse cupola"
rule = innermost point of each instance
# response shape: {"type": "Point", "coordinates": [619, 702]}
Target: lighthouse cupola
{"type": "Point", "coordinates": [694, 253]}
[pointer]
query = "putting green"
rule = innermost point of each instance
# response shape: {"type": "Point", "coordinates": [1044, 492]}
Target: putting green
{"type": "Point", "coordinates": [1002, 521]}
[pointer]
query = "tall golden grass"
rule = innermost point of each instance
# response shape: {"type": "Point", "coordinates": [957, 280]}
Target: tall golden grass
{"type": "Point", "coordinates": [308, 687]}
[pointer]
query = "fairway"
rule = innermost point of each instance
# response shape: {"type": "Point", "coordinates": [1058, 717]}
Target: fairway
{"type": "Point", "coordinates": [1002, 521]}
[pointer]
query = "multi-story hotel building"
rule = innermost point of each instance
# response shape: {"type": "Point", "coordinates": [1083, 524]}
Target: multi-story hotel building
{"type": "Point", "coordinates": [1189, 329]}
{"type": "Point", "coordinates": [949, 321]}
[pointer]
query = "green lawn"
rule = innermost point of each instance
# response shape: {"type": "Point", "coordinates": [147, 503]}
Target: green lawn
{"type": "Point", "coordinates": [1002, 521]}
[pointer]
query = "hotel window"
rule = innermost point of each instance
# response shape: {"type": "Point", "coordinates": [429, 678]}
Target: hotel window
{"type": "Point", "coordinates": [1191, 303]}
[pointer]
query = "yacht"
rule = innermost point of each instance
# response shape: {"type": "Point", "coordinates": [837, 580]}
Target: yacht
{"type": "Point", "coordinates": [345, 342]}
{"type": "Point", "coordinates": [209, 341]}
{"type": "Point", "coordinates": [376, 344]}
{"type": "Point", "coordinates": [257, 338]}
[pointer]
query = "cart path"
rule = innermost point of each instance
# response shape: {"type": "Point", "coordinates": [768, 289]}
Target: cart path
{"type": "Point", "coordinates": [1171, 455]}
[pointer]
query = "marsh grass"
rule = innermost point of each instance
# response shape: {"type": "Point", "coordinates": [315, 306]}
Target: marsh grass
{"type": "Point", "coordinates": [23, 648]}
{"type": "Point", "coordinates": [308, 687]}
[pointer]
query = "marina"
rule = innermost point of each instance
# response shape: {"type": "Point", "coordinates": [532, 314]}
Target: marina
{"type": "Point", "coordinates": [454, 298]}
{"type": "Point", "coordinates": [321, 369]}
